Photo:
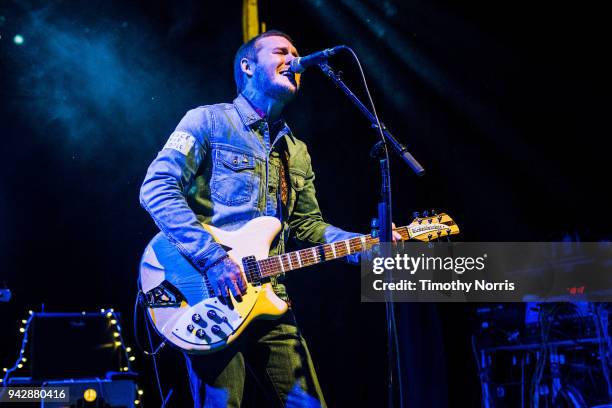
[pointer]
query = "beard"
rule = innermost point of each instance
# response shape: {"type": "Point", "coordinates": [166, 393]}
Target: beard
{"type": "Point", "coordinates": [274, 86]}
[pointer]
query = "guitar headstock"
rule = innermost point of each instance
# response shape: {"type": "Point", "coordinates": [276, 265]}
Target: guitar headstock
{"type": "Point", "coordinates": [429, 228]}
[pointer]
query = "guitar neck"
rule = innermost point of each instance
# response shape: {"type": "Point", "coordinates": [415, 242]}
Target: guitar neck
{"type": "Point", "coordinates": [278, 264]}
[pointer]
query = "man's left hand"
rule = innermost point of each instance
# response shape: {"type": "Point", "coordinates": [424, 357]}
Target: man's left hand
{"type": "Point", "coordinates": [396, 235]}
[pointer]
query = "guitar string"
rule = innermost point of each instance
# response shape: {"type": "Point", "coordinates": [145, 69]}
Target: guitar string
{"type": "Point", "coordinates": [323, 252]}
{"type": "Point", "coordinates": [310, 256]}
{"type": "Point", "coordinates": [271, 266]}
{"type": "Point", "coordinates": [279, 263]}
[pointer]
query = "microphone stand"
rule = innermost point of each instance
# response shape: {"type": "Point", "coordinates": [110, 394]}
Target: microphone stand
{"type": "Point", "coordinates": [384, 218]}
{"type": "Point", "coordinates": [399, 148]}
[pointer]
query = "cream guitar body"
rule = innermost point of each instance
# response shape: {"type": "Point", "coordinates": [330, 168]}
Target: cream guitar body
{"type": "Point", "coordinates": [165, 269]}
{"type": "Point", "coordinates": [179, 299]}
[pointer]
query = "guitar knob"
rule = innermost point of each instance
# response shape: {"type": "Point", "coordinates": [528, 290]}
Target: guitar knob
{"type": "Point", "coordinates": [215, 329]}
{"type": "Point", "coordinates": [196, 318]}
{"type": "Point", "coordinates": [190, 328]}
{"type": "Point", "coordinates": [200, 333]}
{"type": "Point", "coordinates": [212, 314]}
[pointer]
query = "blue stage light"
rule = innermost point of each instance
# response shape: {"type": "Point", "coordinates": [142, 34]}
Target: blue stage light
{"type": "Point", "coordinates": [18, 39]}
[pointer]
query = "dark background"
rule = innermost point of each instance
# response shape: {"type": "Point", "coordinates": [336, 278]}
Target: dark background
{"type": "Point", "coordinates": [502, 102]}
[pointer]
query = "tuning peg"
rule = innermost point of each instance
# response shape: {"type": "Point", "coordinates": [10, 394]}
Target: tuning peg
{"type": "Point", "coordinates": [416, 214]}
{"type": "Point", "coordinates": [425, 213]}
{"type": "Point", "coordinates": [374, 227]}
{"type": "Point", "coordinates": [374, 223]}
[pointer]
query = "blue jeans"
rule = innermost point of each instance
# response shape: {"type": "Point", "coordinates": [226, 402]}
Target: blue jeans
{"type": "Point", "coordinates": [276, 354]}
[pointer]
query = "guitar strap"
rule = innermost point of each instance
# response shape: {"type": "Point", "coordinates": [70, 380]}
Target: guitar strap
{"type": "Point", "coordinates": [283, 188]}
{"type": "Point", "coordinates": [282, 176]}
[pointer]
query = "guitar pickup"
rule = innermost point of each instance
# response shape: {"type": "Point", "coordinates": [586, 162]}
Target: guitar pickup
{"type": "Point", "coordinates": [251, 270]}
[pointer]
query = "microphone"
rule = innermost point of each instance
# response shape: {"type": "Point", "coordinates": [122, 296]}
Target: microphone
{"type": "Point", "coordinates": [299, 64]}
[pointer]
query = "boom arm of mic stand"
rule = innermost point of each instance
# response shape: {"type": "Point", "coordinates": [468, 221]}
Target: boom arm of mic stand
{"type": "Point", "coordinates": [399, 148]}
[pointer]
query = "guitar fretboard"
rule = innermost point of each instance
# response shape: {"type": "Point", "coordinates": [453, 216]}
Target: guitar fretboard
{"type": "Point", "coordinates": [310, 256]}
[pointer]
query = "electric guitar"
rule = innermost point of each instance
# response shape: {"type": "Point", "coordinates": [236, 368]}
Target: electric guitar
{"type": "Point", "coordinates": [181, 304]}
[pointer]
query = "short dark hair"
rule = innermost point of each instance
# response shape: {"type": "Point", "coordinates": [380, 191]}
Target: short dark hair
{"type": "Point", "coordinates": [249, 50]}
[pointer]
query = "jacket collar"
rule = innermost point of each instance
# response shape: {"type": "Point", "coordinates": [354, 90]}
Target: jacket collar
{"type": "Point", "coordinates": [248, 115]}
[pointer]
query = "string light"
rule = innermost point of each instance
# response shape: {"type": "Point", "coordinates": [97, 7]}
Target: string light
{"type": "Point", "coordinates": [113, 320]}
{"type": "Point", "coordinates": [139, 392]}
{"type": "Point", "coordinates": [20, 359]}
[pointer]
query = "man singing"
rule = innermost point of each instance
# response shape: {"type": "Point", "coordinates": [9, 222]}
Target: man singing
{"type": "Point", "coordinates": [224, 165]}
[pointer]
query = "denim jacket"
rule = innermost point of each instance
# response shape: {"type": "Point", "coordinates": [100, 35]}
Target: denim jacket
{"type": "Point", "coordinates": [220, 167]}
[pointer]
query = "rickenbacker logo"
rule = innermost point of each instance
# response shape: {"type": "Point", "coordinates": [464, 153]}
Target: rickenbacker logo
{"type": "Point", "coordinates": [428, 227]}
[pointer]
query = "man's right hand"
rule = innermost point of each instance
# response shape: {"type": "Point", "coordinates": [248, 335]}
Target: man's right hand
{"type": "Point", "coordinates": [226, 275]}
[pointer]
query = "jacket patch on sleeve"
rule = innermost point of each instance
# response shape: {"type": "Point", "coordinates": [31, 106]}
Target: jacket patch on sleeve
{"type": "Point", "coordinates": [181, 142]}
